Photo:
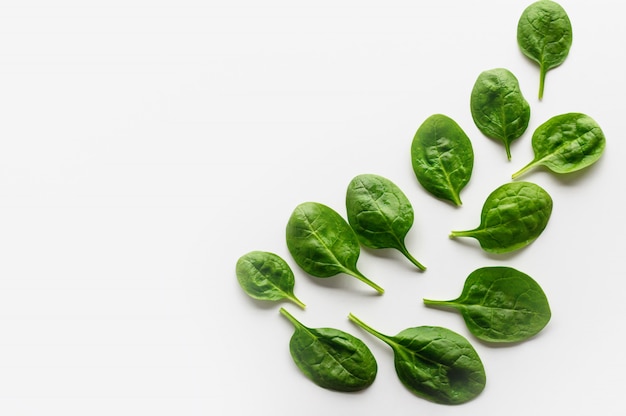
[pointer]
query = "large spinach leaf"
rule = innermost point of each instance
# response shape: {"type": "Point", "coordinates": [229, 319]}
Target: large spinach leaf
{"type": "Point", "coordinates": [435, 363]}
{"type": "Point", "coordinates": [498, 107]}
{"type": "Point", "coordinates": [380, 213]}
{"type": "Point", "coordinates": [442, 157]}
{"type": "Point", "coordinates": [566, 143]}
{"type": "Point", "coordinates": [267, 276]}
{"type": "Point", "coordinates": [500, 304]}
{"type": "Point", "coordinates": [331, 358]}
{"type": "Point", "coordinates": [322, 243]}
{"type": "Point", "coordinates": [513, 216]}
{"type": "Point", "coordinates": [544, 34]}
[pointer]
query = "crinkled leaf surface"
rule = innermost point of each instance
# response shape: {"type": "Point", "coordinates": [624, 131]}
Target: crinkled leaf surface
{"type": "Point", "coordinates": [267, 276]}
{"type": "Point", "coordinates": [544, 34]}
{"type": "Point", "coordinates": [435, 363]}
{"type": "Point", "coordinates": [513, 216]}
{"type": "Point", "coordinates": [442, 157]}
{"type": "Point", "coordinates": [566, 143]}
{"type": "Point", "coordinates": [380, 213]}
{"type": "Point", "coordinates": [322, 243]}
{"type": "Point", "coordinates": [331, 358]}
{"type": "Point", "coordinates": [498, 107]}
{"type": "Point", "coordinates": [501, 304]}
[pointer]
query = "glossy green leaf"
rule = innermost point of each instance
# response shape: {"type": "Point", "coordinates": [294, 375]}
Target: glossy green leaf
{"type": "Point", "coordinates": [544, 34]}
{"type": "Point", "coordinates": [498, 107]}
{"type": "Point", "coordinates": [566, 143]}
{"type": "Point", "coordinates": [380, 213]}
{"type": "Point", "coordinates": [442, 157]}
{"type": "Point", "coordinates": [266, 276]}
{"type": "Point", "coordinates": [434, 363]}
{"type": "Point", "coordinates": [500, 304]}
{"type": "Point", "coordinates": [322, 243]}
{"type": "Point", "coordinates": [513, 216]}
{"type": "Point", "coordinates": [331, 358]}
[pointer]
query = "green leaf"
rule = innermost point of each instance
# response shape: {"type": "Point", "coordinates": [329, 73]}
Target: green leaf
{"type": "Point", "coordinates": [331, 358]}
{"type": "Point", "coordinates": [380, 213]}
{"type": "Point", "coordinates": [566, 143]}
{"type": "Point", "coordinates": [500, 304]}
{"type": "Point", "coordinates": [513, 216]}
{"type": "Point", "coordinates": [442, 157]}
{"type": "Point", "coordinates": [266, 276]}
{"type": "Point", "coordinates": [323, 244]}
{"type": "Point", "coordinates": [544, 34]}
{"type": "Point", "coordinates": [434, 363]}
{"type": "Point", "coordinates": [498, 107]}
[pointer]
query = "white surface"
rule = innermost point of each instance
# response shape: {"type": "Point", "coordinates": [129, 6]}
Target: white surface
{"type": "Point", "coordinates": [146, 145]}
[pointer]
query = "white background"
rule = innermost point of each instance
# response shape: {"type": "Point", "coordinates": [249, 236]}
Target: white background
{"type": "Point", "coordinates": [146, 145]}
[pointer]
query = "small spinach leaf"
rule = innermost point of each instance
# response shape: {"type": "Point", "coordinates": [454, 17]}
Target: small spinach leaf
{"type": "Point", "coordinates": [266, 276]}
{"type": "Point", "coordinates": [434, 363]}
{"type": "Point", "coordinates": [442, 157]}
{"type": "Point", "coordinates": [500, 304]}
{"type": "Point", "coordinates": [544, 34]}
{"type": "Point", "coordinates": [379, 213]}
{"type": "Point", "coordinates": [331, 358]}
{"type": "Point", "coordinates": [513, 216]}
{"type": "Point", "coordinates": [322, 243]}
{"type": "Point", "coordinates": [498, 107]}
{"type": "Point", "coordinates": [566, 143]}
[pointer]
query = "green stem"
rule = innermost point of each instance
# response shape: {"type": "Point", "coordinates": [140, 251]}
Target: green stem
{"type": "Point", "coordinates": [297, 301]}
{"type": "Point", "coordinates": [524, 169]}
{"type": "Point", "coordinates": [542, 80]}
{"type": "Point", "coordinates": [507, 146]}
{"type": "Point", "coordinates": [436, 303]}
{"type": "Point", "coordinates": [468, 233]}
{"type": "Point", "coordinates": [364, 279]}
{"type": "Point", "coordinates": [412, 259]}
{"type": "Point", "coordinates": [456, 198]}
{"type": "Point", "coordinates": [290, 317]}
{"type": "Point", "coordinates": [369, 329]}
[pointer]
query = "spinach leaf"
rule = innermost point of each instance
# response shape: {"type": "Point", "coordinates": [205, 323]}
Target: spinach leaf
{"type": "Point", "coordinates": [331, 358]}
{"type": "Point", "coordinates": [513, 216]}
{"type": "Point", "coordinates": [566, 143]}
{"type": "Point", "coordinates": [498, 107]}
{"type": "Point", "coordinates": [322, 243]}
{"type": "Point", "coordinates": [500, 304]}
{"type": "Point", "coordinates": [435, 363]}
{"type": "Point", "coordinates": [442, 157]}
{"type": "Point", "coordinates": [544, 34]}
{"type": "Point", "coordinates": [379, 213]}
{"type": "Point", "coordinates": [264, 275]}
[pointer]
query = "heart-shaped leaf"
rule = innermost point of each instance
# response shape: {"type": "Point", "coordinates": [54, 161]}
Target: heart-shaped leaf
{"type": "Point", "coordinates": [266, 276]}
{"type": "Point", "coordinates": [500, 304]}
{"type": "Point", "coordinates": [322, 243]}
{"type": "Point", "coordinates": [380, 213]}
{"type": "Point", "coordinates": [331, 358]}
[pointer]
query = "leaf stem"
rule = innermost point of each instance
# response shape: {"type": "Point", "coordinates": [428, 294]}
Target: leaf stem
{"type": "Point", "coordinates": [468, 233]}
{"type": "Point", "coordinates": [364, 279]}
{"type": "Point", "coordinates": [290, 317]}
{"type": "Point", "coordinates": [456, 198]}
{"type": "Point", "coordinates": [297, 301]}
{"type": "Point", "coordinates": [542, 80]}
{"type": "Point", "coordinates": [437, 303]}
{"type": "Point", "coordinates": [412, 259]}
{"type": "Point", "coordinates": [368, 328]}
{"type": "Point", "coordinates": [524, 170]}
{"type": "Point", "coordinates": [507, 146]}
